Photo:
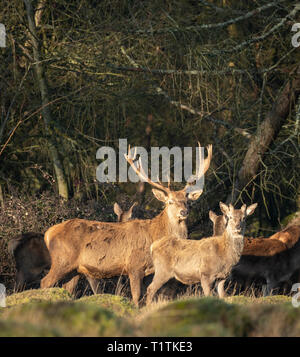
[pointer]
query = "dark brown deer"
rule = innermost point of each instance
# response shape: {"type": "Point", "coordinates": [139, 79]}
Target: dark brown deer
{"type": "Point", "coordinates": [33, 260]}
{"type": "Point", "coordinates": [205, 260]}
{"type": "Point", "coordinates": [31, 257]}
{"type": "Point", "coordinates": [274, 259]}
{"type": "Point", "coordinates": [101, 249]}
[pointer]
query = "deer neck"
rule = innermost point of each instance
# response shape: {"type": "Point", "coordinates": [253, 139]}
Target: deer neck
{"type": "Point", "coordinates": [234, 243]}
{"type": "Point", "coordinates": [166, 226]}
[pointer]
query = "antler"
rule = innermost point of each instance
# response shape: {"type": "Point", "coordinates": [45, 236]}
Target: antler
{"type": "Point", "coordinates": [193, 178]}
{"type": "Point", "coordinates": [141, 173]}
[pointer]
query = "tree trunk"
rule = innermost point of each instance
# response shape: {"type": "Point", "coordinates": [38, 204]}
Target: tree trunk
{"type": "Point", "coordinates": [1, 198]}
{"type": "Point", "coordinates": [266, 133]}
{"type": "Point", "coordinates": [46, 112]}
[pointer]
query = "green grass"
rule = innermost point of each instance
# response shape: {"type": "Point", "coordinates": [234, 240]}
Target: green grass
{"type": "Point", "coordinates": [248, 300]}
{"type": "Point", "coordinates": [38, 295]}
{"type": "Point", "coordinates": [197, 317]}
{"type": "Point", "coordinates": [120, 305]}
{"type": "Point", "coordinates": [52, 312]}
{"type": "Point", "coordinates": [63, 318]}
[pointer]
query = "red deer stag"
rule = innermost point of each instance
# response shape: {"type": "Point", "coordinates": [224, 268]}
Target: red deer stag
{"type": "Point", "coordinates": [205, 260]}
{"type": "Point", "coordinates": [274, 259]}
{"type": "Point", "coordinates": [32, 257]}
{"type": "Point", "coordinates": [102, 249]}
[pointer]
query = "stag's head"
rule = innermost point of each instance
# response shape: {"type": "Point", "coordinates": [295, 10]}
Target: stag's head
{"type": "Point", "coordinates": [235, 219]}
{"type": "Point", "coordinates": [176, 202]}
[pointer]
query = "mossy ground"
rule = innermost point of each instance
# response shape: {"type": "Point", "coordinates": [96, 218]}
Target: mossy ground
{"type": "Point", "coordinates": [247, 300]}
{"type": "Point", "coordinates": [197, 317]}
{"type": "Point", "coordinates": [53, 312]}
{"type": "Point", "coordinates": [38, 295]}
{"type": "Point", "coordinates": [120, 305]}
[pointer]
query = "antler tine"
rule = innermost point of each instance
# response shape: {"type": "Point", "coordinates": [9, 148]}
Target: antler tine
{"type": "Point", "coordinates": [129, 153]}
{"type": "Point", "coordinates": [200, 160]}
{"type": "Point", "coordinates": [141, 173]}
{"type": "Point", "coordinates": [208, 159]}
{"type": "Point", "coordinates": [205, 168]}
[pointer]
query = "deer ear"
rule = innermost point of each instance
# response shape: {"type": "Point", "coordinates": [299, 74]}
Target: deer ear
{"type": "Point", "coordinates": [193, 196]}
{"type": "Point", "coordinates": [212, 216]}
{"type": "Point", "coordinates": [160, 195]}
{"type": "Point", "coordinates": [133, 205]}
{"type": "Point", "coordinates": [131, 208]}
{"type": "Point", "coordinates": [224, 208]}
{"type": "Point", "coordinates": [117, 209]}
{"type": "Point", "coordinates": [251, 209]}
{"type": "Point", "coordinates": [243, 208]}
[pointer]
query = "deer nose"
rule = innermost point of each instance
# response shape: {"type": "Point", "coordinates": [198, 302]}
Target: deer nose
{"type": "Point", "coordinates": [184, 213]}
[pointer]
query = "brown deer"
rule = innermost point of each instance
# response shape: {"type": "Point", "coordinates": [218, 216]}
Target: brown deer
{"type": "Point", "coordinates": [32, 256]}
{"type": "Point", "coordinates": [123, 216]}
{"type": "Point", "coordinates": [219, 223]}
{"type": "Point", "coordinates": [274, 259]}
{"type": "Point", "coordinates": [205, 260]}
{"type": "Point", "coordinates": [102, 249]}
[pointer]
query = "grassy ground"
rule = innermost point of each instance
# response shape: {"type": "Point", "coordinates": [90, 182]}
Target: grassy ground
{"type": "Point", "coordinates": [53, 312]}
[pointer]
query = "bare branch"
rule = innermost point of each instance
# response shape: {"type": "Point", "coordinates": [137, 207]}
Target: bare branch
{"type": "Point", "coordinates": [219, 9]}
{"type": "Point", "coordinates": [203, 115]}
{"type": "Point", "coordinates": [218, 25]}
{"type": "Point", "coordinates": [248, 42]}
{"type": "Point", "coordinates": [230, 70]}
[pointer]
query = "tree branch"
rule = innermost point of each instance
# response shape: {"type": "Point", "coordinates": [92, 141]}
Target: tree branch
{"type": "Point", "coordinates": [266, 133]}
{"type": "Point", "coordinates": [248, 42]}
{"type": "Point", "coordinates": [213, 26]}
{"type": "Point", "coordinates": [203, 115]}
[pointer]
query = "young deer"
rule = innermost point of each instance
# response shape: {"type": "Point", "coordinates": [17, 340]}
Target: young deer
{"type": "Point", "coordinates": [205, 260]}
{"type": "Point", "coordinates": [102, 249]}
{"type": "Point", "coordinates": [274, 259]}
{"type": "Point", "coordinates": [123, 216]}
{"type": "Point", "coordinates": [219, 223]}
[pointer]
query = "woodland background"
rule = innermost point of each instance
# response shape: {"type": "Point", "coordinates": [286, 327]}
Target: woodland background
{"type": "Point", "coordinates": [78, 75]}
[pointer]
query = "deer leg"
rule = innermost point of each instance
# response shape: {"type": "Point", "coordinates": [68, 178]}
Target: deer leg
{"type": "Point", "coordinates": [264, 290]}
{"type": "Point", "coordinates": [94, 284]}
{"type": "Point", "coordinates": [20, 281]}
{"type": "Point", "coordinates": [54, 276]}
{"type": "Point", "coordinates": [159, 279]}
{"type": "Point", "coordinates": [206, 284]}
{"type": "Point", "coordinates": [271, 284]}
{"type": "Point", "coordinates": [135, 285]}
{"type": "Point", "coordinates": [71, 285]}
{"type": "Point", "coordinates": [220, 288]}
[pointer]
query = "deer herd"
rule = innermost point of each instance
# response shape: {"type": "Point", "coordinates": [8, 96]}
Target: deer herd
{"type": "Point", "coordinates": [159, 246]}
